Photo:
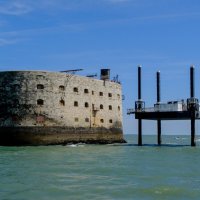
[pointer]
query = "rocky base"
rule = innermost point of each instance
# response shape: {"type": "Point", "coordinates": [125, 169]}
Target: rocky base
{"type": "Point", "coordinates": [18, 136]}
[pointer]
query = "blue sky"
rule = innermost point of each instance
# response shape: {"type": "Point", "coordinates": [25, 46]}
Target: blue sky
{"type": "Point", "coordinates": [57, 35]}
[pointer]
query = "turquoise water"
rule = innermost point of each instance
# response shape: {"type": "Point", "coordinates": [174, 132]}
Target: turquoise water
{"type": "Point", "coordinates": [127, 171]}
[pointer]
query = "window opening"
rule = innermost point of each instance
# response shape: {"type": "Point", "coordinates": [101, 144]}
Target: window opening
{"type": "Point", "coordinates": [62, 102]}
{"type": "Point", "coordinates": [86, 91]}
{"type": "Point", "coordinates": [76, 119]}
{"type": "Point", "coordinates": [61, 87]}
{"type": "Point", "coordinates": [40, 86]}
{"type": "Point", "coordinates": [40, 102]}
{"type": "Point", "coordinates": [87, 120]}
{"type": "Point", "coordinates": [109, 94]}
{"type": "Point", "coordinates": [75, 89]}
{"type": "Point", "coordinates": [102, 120]}
{"type": "Point", "coordinates": [16, 87]}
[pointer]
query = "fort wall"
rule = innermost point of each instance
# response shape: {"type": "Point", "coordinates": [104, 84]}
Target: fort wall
{"type": "Point", "coordinates": [42, 100]}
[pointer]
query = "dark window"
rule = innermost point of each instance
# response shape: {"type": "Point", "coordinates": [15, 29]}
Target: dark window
{"type": "Point", "coordinates": [40, 102]}
{"type": "Point", "coordinates": [119, 108]}
{"type": "Point", "coordinates": [86, 104]}
{"type": "Point", "coordinates": [75, 89]}
{"type": "Point", "coordinates": [86, 91]}
{"type": "Point", "coordinates": [110, 121]}
{"type": "Point", "coordinates": [92, 92]}
{"type": "Point", "coordinates": [62, 102]}
{"type": "Point", "coordinates": [110, 107]}
{"type": "Point", "coordinates": [76, 103]}
{"type": "Point", "coordinates": [16, 87]}
{"type": "Point", "coordinates": [109, 94]}
{"type": "Point", "coordinates": [101, 106]}
{"type": "Point", "coordinates": [102, 120]}
{"type": "Point", "coordinates": [87, 120]}
{"type": "Point", "coordinates": [40, 86]}
{"type": "Point", "coordinates": [61, 87]}
{"type": "Point", "coordinates": [76, 119]}
{"type": "Point", "coordinates": [100, 93]}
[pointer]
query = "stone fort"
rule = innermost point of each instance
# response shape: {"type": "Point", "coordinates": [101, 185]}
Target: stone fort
{"type": "Point", "coordinates": [40, 107]}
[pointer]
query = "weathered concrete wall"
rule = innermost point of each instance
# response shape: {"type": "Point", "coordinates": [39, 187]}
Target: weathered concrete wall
{"type": "Point", "coordinates": [47, 99]}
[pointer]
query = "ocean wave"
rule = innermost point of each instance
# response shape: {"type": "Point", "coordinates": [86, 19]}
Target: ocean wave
{"type": "Point", "coordinates": [76, 145]}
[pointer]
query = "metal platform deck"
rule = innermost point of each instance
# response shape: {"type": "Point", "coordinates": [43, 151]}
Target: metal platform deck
{"type": "Point", "coordinates": [171, 115]}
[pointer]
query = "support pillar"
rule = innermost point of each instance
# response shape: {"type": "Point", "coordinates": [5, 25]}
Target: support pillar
{"type": "Point", "coordinates": [192, 82]}
{"type": "Point", "coordinates": [193, 132]}
{"type": "Point", "coordinates": [159, 131]}
{"type": "Point", "coordinates": [139, 132]}
{"type": "Point", "coordinates": [158, 102]}
{"type": "Point", "coordinates": [139, 99]}
{"type": "Point", "coordinates": [193, 106]}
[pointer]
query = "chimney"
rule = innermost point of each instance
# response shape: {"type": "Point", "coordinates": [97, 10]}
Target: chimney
{"type": "Point", "coordinates": [105, 74]}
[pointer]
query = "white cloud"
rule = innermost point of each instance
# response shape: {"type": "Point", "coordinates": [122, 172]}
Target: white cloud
{"type": "Point", "coordinates": [21, 7]}
{"type": "Point", "coordinates": [14, 7]}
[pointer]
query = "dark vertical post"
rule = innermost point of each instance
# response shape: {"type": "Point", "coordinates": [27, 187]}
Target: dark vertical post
{"type": "Point", "coordinates": [158, 101]}
{"type": "Point", "coordinates": [139, 83]}
{"type": "Point", "coordinates": [192, 81]}
{"type": "Point", "coordinates": [139, 132]}
{"type": "Point", "coordinates": [193, 106]}
{"type": "Point", "coordinates": [159, 131]}
{"type": "Point", "coordinates": [158, 86]}
{"type": "Point", "coordinates": [193, 131]}
{"type": "Point", "coordinates": [139, 99]}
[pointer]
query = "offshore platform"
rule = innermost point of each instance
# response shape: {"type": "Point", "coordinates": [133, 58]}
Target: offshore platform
{"type": "Point", "coordinates": [172, 110]}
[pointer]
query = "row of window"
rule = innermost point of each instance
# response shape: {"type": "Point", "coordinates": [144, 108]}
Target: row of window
{"type": "Point", "coordinates": [62, 103]}
{"type": "Point", "coordinates": [75, 89]}
{"type": "Point", "coordinates": [40, 102]}
{"type": "Point", "coordinates": [86, 91]}
{"type": "Point", "coordinates": [76, 119]}
{"type": "Point", "coordinates": [62, 88]}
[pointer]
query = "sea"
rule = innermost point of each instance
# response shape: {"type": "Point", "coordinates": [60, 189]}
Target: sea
{"type": "Point", "coordinates": [103, 172]}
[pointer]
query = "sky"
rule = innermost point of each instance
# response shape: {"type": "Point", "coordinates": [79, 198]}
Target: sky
{"type": "Point", "coordinates": [56, 35]}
